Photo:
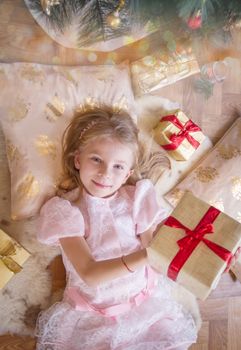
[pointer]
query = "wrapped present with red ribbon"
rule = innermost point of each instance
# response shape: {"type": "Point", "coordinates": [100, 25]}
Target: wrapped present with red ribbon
{"type": "Point", "coordinates": [195, 245]}
{"type": "Point", "coordinates": [178, 135]}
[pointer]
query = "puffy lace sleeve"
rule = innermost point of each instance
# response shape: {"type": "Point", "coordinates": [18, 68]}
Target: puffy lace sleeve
{"type": "Point", "coordinates": [59, 219]}
{"type": "Point", "coordinates": [147, 212]}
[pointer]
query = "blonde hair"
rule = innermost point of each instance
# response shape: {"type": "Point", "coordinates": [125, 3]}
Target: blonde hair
{"type": "Point", "coordinates": [104, 122]}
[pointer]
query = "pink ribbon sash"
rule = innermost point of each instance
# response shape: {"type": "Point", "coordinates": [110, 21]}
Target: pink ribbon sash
{"type": "Point", "coordinates": [73, 296]}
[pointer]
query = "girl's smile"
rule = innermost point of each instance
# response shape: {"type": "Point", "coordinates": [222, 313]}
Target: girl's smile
{"type": "Point", "coordinates": [101, 185]}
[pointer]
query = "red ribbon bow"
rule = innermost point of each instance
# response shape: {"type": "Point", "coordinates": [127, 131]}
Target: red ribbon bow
{"type": "Point", "coordinates": [176, 139]}
{"type": "Point", "coordinates": [193, 237]}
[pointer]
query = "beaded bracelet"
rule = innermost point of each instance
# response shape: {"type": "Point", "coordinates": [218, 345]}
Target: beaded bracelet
{"type": "Point", "coordinates": [124, 263]}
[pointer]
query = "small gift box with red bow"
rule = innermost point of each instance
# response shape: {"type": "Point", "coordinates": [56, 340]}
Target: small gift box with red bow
{"type": "Point", "coordinates": [195, 245]}
{"type": "Point", "coordinates": [12, 258]}
{"type": "Point", "coordinates": [178, 135]}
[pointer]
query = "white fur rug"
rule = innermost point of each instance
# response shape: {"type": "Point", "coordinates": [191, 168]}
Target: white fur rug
{"type": "Point", "coordinates": [29, 291]}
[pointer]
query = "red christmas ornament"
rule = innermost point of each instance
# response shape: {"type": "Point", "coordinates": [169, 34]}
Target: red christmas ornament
{"type": "Point", "coordinates": [195, 22]}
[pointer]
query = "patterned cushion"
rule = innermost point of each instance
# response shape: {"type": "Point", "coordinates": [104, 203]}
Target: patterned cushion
{"type": "Point", "coordinates": [36, 104]}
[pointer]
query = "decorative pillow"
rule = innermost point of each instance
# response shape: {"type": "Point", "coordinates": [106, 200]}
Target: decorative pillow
{"type": "Point", "coordinates": [36, 104]}
{"type": "Point", "coordinates": [217, 179]}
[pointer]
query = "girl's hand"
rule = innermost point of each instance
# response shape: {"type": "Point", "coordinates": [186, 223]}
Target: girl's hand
{"type": "Point", "coordinates": [233, 260]}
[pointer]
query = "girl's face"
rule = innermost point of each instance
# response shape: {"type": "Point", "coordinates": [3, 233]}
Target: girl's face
{"type": "Point", "coordinates": [104, 164]}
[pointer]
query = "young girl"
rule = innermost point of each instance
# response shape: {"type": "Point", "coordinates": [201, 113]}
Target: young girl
{"type": "Point", "coordinates": [113, 299]}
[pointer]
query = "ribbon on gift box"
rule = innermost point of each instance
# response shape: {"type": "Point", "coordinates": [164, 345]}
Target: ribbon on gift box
{"type": "Point", "coordinates": [193, 237]}
{"type": "Point", "coordinates": [184, 133]}
{"type": "Point", "coordinates": [5, 256]}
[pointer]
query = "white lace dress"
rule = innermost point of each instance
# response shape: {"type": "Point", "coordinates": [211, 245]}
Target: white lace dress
{"type": "Point", "coordinates": [111, 227]}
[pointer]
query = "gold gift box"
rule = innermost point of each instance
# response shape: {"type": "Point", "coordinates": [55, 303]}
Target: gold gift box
{"type": "Point", "coordinates": [165, 129]}
{"type": "Point", "coordinates": [12, 258]}
{"type": "Point", "coordinates": [162, 68]}
{"type": "Point", "coordinates": [202, 270]}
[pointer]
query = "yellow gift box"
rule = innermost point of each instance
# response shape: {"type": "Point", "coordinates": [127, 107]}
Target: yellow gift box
{"type": "Point", "coordinates": [194, 245]}
{"type": "Point", "coordinates": [12, 258]}
{"type": "Point", "coordinates": [163, 67]}
{"type": "Point", "coordinates": [178, 135]}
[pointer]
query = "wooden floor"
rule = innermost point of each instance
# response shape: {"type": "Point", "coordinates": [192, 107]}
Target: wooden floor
{"type": "Point", "coordinates": [21, 39]}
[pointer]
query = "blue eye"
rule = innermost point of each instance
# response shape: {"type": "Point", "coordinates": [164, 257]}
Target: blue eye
{"type": "Point", "coordinates": [96, 159]}
{"type": "Point", "coordinates": [119, 167]}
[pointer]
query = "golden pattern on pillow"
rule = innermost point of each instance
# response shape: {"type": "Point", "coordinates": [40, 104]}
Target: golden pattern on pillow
{"type": "Point", "coordinates": [37, 103]}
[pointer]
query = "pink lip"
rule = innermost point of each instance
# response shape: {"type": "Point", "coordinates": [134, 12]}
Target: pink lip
{"type": "Point", "coordinates": [101, 185]}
